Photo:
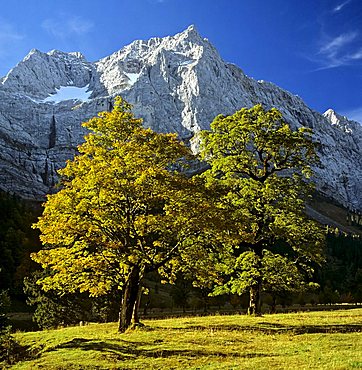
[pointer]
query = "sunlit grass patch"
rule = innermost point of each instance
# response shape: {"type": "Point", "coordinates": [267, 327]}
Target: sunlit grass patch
{"type": "Point", "coordinates": [314, 340]}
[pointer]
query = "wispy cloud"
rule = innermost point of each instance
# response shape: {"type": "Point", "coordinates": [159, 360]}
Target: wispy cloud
{"type": "Point", "coordinates": [339, 51]}
{"type": "Point", "coordinates": [67, 26]}
{"type": "Point", "coordinates": [341, 47]}
{"type": "Point", "coordinates": [356, 55]}
{"type": "Point", "coordinates": [8, 33]}
{"type": "Point", "coordinates": [333, 46]}
{"type": "Point", "coordinates": [340, 6]}
{"type": "Point", "coordinates": [8, 36]}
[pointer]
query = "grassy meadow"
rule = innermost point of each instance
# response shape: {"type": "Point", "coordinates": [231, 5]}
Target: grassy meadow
{"type": "Point", "coordinates": [308, 340]}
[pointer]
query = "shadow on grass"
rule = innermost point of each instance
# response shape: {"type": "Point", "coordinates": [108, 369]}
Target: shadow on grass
{"type": "Point", "coordinates": [267, 328]}
{"type": "Point", "coordinates": [131, 350]}
{"type": "Point", "coordinates": [13, 352]}
{"type": "Point", "coordinates": [120, 350]}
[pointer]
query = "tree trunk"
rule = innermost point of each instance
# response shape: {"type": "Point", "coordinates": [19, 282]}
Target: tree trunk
{"type": "Point", "coordinates": [129, 304]}
{"type": "Point", "coordinates": [136, 307]}
{"type": "Point", "coordinates": [254, 293]}
{"type": "Point", "coordinates": [273, 308]}
{"type": "Point", "coordinates": [254, 301]}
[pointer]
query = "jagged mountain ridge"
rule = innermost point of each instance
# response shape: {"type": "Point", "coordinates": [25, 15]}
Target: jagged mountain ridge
{"type": "Point", "coordinates": [176, 84]}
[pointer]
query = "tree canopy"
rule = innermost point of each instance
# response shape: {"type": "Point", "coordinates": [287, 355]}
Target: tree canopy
{"type": "Point", "coordinates": [263, 167]}
{"type": "Point", "coordinates": [124, 208]}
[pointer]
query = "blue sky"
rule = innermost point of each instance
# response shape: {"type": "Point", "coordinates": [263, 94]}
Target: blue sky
{"type": "Point", "coordinates": [312, 48]}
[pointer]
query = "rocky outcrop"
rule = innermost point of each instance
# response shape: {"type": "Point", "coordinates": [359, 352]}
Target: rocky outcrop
{"type": "Point", "coordinates": [176, 84]}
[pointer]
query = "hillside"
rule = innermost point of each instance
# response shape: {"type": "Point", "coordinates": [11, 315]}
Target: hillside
{"type": "Point", "coordinates": [177, 84]}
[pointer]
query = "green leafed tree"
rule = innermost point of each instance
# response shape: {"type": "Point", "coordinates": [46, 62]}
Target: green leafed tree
{"type": "Point", "coordinates": [263, 166]}
{"type": "Point", "coordinates": [124, 209]}
{"type": "Point", "coordinates": [53, 310]}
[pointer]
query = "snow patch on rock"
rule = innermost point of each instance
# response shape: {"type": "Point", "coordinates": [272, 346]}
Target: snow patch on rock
{"type": "Point", "coordinates": [69, 93]}
{"type": "Point", "coordinates": [132, 77]}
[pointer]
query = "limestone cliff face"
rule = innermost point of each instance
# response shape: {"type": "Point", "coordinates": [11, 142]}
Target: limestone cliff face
{"type": "Point", "coordinates": [176, 84]}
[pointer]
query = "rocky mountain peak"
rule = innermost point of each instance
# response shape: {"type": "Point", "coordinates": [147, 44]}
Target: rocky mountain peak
{"type": "Point", "coordinates": [191, 34]}
{"type": "Point", "coordinates": [33, 52]}
{"type": "Point", "coordinates": [347, 126]}
{"type": "Point", "coordinates": [334, 117]}
{"type": "Point", "coordinates": [39, 74]}
{"type": "Point", "coordinates": [176, 84]}
{"type": "Point", "coordinates": [67, 56]}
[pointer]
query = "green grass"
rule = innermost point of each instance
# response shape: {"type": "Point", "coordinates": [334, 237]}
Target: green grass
{"type": "Point", "coordinates": [313, 340]}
